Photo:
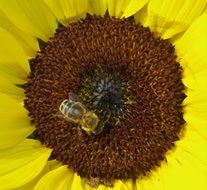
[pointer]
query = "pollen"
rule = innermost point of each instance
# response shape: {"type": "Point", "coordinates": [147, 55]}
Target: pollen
{"type": "Point", "coordinates": [126, 75]}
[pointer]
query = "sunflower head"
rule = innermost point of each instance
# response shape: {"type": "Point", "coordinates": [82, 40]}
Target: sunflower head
{"type": "Point", "coordinates": [109, 94]}
{"type": "Point", "coordinates": [131, 83]}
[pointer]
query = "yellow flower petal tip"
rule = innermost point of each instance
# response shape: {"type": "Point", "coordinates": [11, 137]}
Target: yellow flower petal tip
{"type": "Point", "coordinates": [22, 163]}
{"type": "Point", "coordinates": [7, 53]}
{"type": "Point", "coordinates": [22, 12]}
{"type": "Point", "coordinates": [60, 178]}
{"type": "Point", "coordinates": [28, 42]}
{"type": "Point", "coordinates": [194, 57]}
{"type": "Point", "coordinates": [125, 9]}
{"type": "Point", "coordinates": [97, 7]}
{"type": "Point", "coordinates": [67, 11]}
{"type": "Point", "coordinates": [10, 89]}
{"type": "Point", "coordinates": [194, 61]}
{"type": "Point", "coordinates": [15, 125]}
{"type": "Point", "coordinates": [169, 18]}
{"type": "Point", "coordinates": [50, 165]}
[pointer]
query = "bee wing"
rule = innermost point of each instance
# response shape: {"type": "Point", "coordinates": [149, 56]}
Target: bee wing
{"type": "Point", "coordinates": [61, 116]}
{"type": "Point", "coordinates": [73, 97]}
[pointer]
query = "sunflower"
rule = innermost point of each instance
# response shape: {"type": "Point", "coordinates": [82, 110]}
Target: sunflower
{"type": "Point", "coordinates": [137, 66]}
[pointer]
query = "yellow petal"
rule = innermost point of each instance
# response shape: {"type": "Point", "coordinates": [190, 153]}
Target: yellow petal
{"type": "Point", "coordinates": [33, 17]}
{"type": "Point", "coordinates": [22, 163]}
{"type": "Point", "coordinates": [14, 66]}
{"type": "Point", "coordinates": [185, 166]}
{"type": "Point", "coordinates": [9, 88]}
{"type": "Point", "coordinates": [194, 60]}
{"type": "Point", "coordinates": [133, 7]}
{"type": "Point", "coordinates": [196, 123]}
{"type": "Point", "coordinates": [130, 184]}
{"type": "Point", "coordinates": [151, 182]}
{"type": "Point", "coordinates": [28, 43]}
{"type": "Point", "coordinates": [58, 179]}
{"type": "Point", "coordinates": [194, 79]}
{"type": "Point", "coordinates": [195, 104]}
{"type": "Point", "coordinates": [74, 10]}
{"type": "Point", "coordinates": [169, 18]}
{"type": "Point", "coordinates": [118, 184]}
{"type": "Point", "coordinates": [141, 15]}
{"type": "Point", "coordinates": [97, 7]}
{"type": "Point", "coordinates": [68, 10]}
{"type": "Point", "coordinates": [187, 163]}
{"type": "Point", "coordinates": [197, 108]}
{"type": "Point", "coordinates": [181, 173]}
{"type": "Point", "coordinates": [13, 72]}
{"type": "Point", "coordinates": [77, 183]}
{"type": "Point", "coordinates": [11, 51]}
{"type": "Point", "coordinates": [15, 125]}
{"type": "Point", "coordinates": [56, 8]}
{"type": "Point", "coordinates": [194, 144]}
{"type": "Point", "coordinates": [50, 165]}
{"type": "Point", "coordinates": [112, 7]}
{"type": "Point", "coordinates": [205, 9]}
{"type": "Point", "coordinates": [100, 187]}
{"type": "Point", "coordinates": [194, 56]}
{"type": "Point", "coordinates": [124, 8]}
{"type": "Point", "coordinates": [85, 185]}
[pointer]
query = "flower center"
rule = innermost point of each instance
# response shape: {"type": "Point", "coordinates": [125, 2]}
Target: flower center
{"type": "Point", "coordinates": [122, 74]}
{"type": "Point", "coordinates": [106, 93]}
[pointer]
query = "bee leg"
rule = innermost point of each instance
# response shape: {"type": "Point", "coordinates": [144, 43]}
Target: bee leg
{"type": "Point", "coordinates": [61, 116]}
{"type": "Point", "coordinates": [99, 129]}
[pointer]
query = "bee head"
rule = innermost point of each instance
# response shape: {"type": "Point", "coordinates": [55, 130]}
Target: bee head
{"type": "Point", "coordinates": [90, 120]}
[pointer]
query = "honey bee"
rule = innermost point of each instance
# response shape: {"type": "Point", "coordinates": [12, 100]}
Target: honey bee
{"type": "Point", "coordinates": [73, 110]}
